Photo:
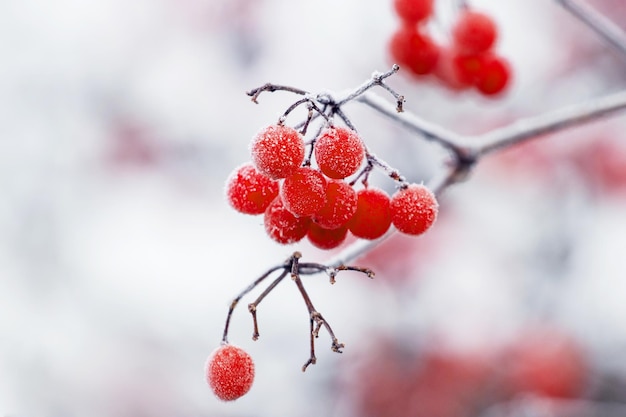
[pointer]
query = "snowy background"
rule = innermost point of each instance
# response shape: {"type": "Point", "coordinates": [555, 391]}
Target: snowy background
{"type": "Point", "coordinates": [119, 123]}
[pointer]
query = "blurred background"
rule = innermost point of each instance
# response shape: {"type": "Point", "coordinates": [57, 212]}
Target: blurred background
{"type": "Point", "coordinates": [120, 122]}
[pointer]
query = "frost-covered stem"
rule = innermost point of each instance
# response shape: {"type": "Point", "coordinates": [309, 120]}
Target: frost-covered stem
{"type": "Point", "coordinates": [548, 123]}
{"type": "Point", "coordinates": [312, 106]}
{"type": "Point", "coordinates": [377, 79]}
{"type": "Point", "coordinates": [606, 29]}
{"type": "Point", "coordinates": [415, 124]}
{"type": "Point", "coordinates": [392, 173]}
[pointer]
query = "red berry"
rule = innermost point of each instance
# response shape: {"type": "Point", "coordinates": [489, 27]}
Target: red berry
{"type": "Point", "coordinates": [277, 151]}
{"type": "Point", "coordinates": [326, 238]}
{"type": "Point", "coordinates": [229, 372]}
{"type": "Point", "coordinates": [413, 11]}
{"type": "Point", "coordinates": [340, 205]}
{"type": "Point", "coordinates": [494, 75]}
{"type": "Point", "coordinates": [413, 209]}
{"type": "Point", "coordinates": [474, 32]}
{"type": "Point", "coordinates": [414, 49]}
{"type": "Point", "coordinates": [446, 72]}
{"type": "Point", "coordinates": [467, 68]}
{"type": "Point", "coordinates": [548, 362]}
{"type": "Point", "coordinates": [373, 216]}
{"type": "Point", "coordinates": [250, 192]}
{"type": "Point", "coordinates": [282, 226]}
{"type": "Point", "coordinates": [304, 192]}
{"type": "Point", "coordinates": [339, 152]}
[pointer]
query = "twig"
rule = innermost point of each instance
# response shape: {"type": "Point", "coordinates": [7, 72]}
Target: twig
{"type": "Point", "coordinates": [602, 26]}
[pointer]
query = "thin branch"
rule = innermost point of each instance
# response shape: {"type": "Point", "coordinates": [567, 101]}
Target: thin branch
{"type": "Point", "coordinates": [602, 26]}
{"type": "Point", "coordinates": [249, 288]}
{"type": "Point", "coordinates": [253, 306]}
{"type": "Point", "coordinates": [548, 123]}
{"type": "Point", "coordinates": [269, 87]}
{"type": "Point", "coordinates": [376, 79]}
{"type": "Point", "coordinates": [415, 124]}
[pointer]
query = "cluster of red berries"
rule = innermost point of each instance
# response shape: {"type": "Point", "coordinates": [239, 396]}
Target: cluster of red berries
{"type": "Point", "coordinates": [470, 60]}
{"type": "Point", "coordinates": [229, 372]}
{"type": "Point", "coordinates": [298, 200]}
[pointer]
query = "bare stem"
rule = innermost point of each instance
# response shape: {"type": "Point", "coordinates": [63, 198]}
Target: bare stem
{"type": "Point", "coordinates": [415, 124]}
{"type": "Point", "coordinates": [253, 306]}
{"type": "Point", "coordinates": [295, 269]}
{"type": "Point", "coordinates": [235, 301]}
{"type": "Point", "coordinates": [269, 87]}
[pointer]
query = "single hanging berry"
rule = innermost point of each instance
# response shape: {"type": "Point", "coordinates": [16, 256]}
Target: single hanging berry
{"type": "Point", "coordinates": [229, 372]}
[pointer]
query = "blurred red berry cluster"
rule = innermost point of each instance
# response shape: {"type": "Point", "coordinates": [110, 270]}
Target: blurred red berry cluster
{"type": "Point", "coordinates": [469, 61]}
{"type": "Point", "coordinates": [398, 380]}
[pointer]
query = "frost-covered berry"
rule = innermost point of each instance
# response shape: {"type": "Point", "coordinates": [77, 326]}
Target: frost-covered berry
{"type": "Point", "coordinates": [229, 372]}
{"type": "Point", "coordinates": [304, 192]}
{"type": "Point", "coordinates": [282, 226]}
{"type": "Point", "coordinates": [248, 191]}
{"type": "Point", "coordinates": [413, 11]}
{"type": "Point", "coordinates": [277, 151]}
{"type": "Point", "coordinates": [326, 238]}
{"type": "Point", "coordinates": [413, 209]}
{"type": "Point", "coordinates": [339, 152]}
{"type": "Point", "coordinates": [474, 32]}
{"type": "Point", "coordinates": [372, 217]}
{"type": "Point", "coordinates": [340, 205]}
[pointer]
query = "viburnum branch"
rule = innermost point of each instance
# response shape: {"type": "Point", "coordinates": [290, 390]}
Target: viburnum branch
{"type": "Point", "coordinates": [465, 153]}
{"type": "Point", "coordinates": [602, 26]}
